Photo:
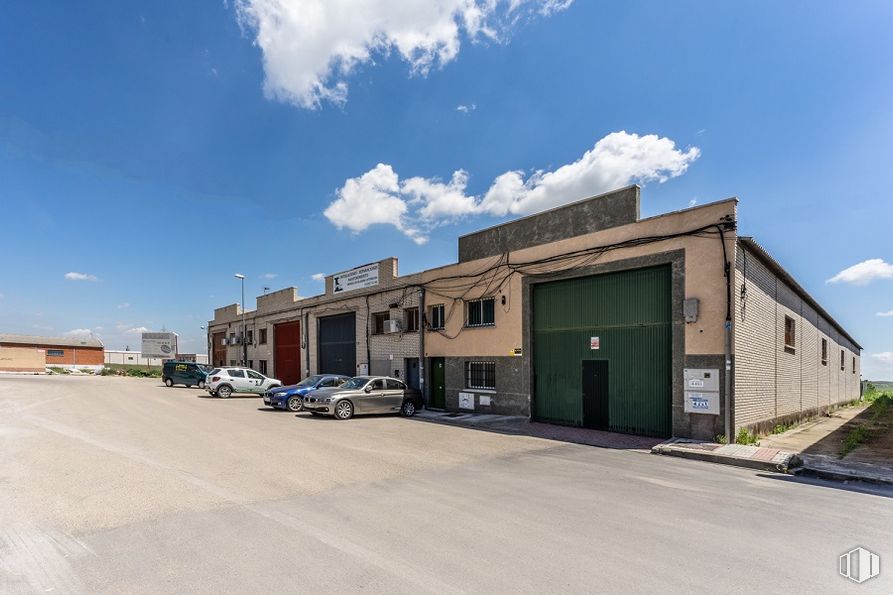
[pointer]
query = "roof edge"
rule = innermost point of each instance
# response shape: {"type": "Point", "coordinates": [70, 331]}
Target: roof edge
{"type": "Point", "coordinates": [779, 270]}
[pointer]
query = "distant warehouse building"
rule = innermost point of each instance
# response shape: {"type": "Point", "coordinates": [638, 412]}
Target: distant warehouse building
{"type": "Point", "coordinates": [584, 315]}
{"type": "Point", "coordinates": [63, 352]}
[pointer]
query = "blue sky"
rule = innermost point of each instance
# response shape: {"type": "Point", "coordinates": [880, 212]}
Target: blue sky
{"type": "Point", "coordinates": [156, 149]}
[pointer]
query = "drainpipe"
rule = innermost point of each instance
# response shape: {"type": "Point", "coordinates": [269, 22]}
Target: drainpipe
{"type": "Point", "coordinates": [727, 270]}
{"type": "Point", "coordinates": [422, 327]}
{"type": "Point", "coordinates": [307, 340]}
{"type": "Point", "coordinates": [368, 348]}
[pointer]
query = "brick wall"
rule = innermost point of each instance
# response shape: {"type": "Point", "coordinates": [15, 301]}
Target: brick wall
{"type": "Point", "coordinates": [86, 356]}
{"type": "Point", "coordinates": [773, 381]}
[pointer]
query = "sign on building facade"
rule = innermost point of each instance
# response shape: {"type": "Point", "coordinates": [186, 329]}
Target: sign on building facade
{"type": "Point", "coordinates": [358, 278]}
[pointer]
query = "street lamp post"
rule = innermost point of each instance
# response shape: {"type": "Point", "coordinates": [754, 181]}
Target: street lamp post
{"type": "Point", "coordinates": [241, 278]}
{"type": "Point", "coordinates": [207, 343]}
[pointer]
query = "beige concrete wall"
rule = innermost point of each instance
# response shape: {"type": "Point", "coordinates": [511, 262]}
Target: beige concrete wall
{"type": "Point", "coordinates": [22, 359]}
{"type": "Point", "coordinates": [703, 279]}
{"type": "Point", "coordinates": [773, 382]}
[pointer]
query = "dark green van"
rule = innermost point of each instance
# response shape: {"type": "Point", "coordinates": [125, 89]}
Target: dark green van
{"type": "Point", "coordinates": [187, 373]}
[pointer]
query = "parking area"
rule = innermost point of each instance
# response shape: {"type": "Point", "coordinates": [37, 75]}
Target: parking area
{"type": "Point", "coordinates": [121, 485]}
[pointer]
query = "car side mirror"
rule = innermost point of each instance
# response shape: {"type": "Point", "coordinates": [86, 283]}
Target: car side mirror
{"type": "Point", "coordinates": [368, 389]}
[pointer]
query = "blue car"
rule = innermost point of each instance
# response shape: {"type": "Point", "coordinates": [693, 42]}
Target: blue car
{"type": "Point", "coordinates": [291, 397]}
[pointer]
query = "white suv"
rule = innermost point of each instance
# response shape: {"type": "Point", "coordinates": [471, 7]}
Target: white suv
{"type": "Point", "coordinates": [224, 382]}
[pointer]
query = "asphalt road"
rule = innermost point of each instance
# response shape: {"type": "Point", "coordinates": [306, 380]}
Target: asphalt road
{"type": "Point", "coordinates": [116, 485]}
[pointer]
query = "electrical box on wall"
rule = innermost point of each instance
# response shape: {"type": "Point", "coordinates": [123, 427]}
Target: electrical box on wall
{"type": "Point", "coordinates": [690, 307]}
{"type": "Point", "coordinates": [701, 391]}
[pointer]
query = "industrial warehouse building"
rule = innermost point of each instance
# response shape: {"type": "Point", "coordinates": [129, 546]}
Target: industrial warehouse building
{"type": "Point", "coordinates": [584, 315]}
{"type": "Point", "coordinates": [26, 353]}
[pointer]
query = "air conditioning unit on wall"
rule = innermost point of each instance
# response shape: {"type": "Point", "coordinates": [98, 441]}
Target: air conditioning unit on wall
{"type": "Point", "coordinates": [392, 326]}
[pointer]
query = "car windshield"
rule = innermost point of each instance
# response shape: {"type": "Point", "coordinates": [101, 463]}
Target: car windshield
{"type": "Point", "coordinates": [354, 383]}
{"type": "Point", "coordinates": [310, 381]}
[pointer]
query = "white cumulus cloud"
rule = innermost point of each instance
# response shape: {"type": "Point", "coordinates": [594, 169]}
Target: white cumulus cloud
{"type": "Point", "coordinates": [878, 366]}
{"type": "Point", "coordinates": [123, 306]}
{"type": "Point", "coordinates": [269, 276]}
{"type": "Point", "coordinates": [311, 47]}
{"type": "Point", "coordinates": [886, 314]}
{"type": "Point", "coordinates": [885, 357]}
{"type": "Point", "coordinates": [864, 272]}
{"type": "Point", "coordinates": [79, 332]}
{"type": "Point", "coordinates": [318, 276]}
{"type": "Point", "coordinates": [371, 199]}
{"type": "Point", "coordinates": [73, 276]}
{"type": "Point", "coordinates": [416, 205]}
{"type": "Point", "coordinates": [466, 108]}
{"type": "Point", "coordinates": [138, 330]}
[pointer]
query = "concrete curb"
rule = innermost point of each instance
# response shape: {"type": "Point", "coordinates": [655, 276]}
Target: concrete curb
{"type": "Point", "coordinates": [840, 476]}
{"type": "Point", "coordinates": [670, 449]}
{"type": "Point", "coordinates": [827, 467]}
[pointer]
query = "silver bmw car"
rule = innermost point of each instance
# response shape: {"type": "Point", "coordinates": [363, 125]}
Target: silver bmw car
{"type": "Point", "coordinates": [364, 394]}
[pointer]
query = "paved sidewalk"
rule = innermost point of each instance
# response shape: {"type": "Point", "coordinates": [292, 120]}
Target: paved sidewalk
{"type": "Point", "coordinates": [522, 426]}
{"type": "Point", "coordinates": [739, 455]}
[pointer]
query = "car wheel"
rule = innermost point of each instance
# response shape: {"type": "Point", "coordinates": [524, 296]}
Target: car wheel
{"type": "Point", "coordinates": [408, 408]}
{"type": "Point", "coordinates": [344, 410]}
{"type": "Point", "coordinates": [224, 391]}
{"type": "Point", "coordinates": [168, 382]}
{"type": "Point", "coordinates": [295, 403]}
{"type": "Point", "coordinates": [201, 384]}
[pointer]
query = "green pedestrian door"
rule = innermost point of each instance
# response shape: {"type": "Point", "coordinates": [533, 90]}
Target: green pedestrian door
{"type": "Point", "coordinates": [438, 384]}
{"type": "Point", "coordinates": [602, 351]}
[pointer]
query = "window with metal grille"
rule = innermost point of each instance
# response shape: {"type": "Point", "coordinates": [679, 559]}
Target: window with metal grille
{"type": "Point", "coordinates": [262, 365]}
{"type": "Point", "coordinates": [437, 317]}
{"type": "Point", "coordinates": [824, 352]}
{"type": "Point", "coordinates": [262, 336]}
{"type": "Point", "coordinates": [842, 366]}
{"type": "Point", "coordinates": [790, 333]}
{"type": "Point", "coordinates": [482, 312]}
{"type": "Point", "coordinates": [854, 365]}
{"type": "Point", "coordinates": [250, 337]}
{"type": "Point", "coordinates": [378, 320]}
{"type": "Point", "coordinates": [411, 316]}
{"type": "Point", "coordinates": [480, 375]}
{"type": "Point", "coordinates": [56, 352]}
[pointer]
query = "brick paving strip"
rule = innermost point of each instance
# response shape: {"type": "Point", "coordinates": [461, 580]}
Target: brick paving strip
{"type": "Point", "coordinates": [739, 455]}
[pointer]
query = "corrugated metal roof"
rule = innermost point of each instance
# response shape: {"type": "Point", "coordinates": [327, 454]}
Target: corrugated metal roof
{"type": "Point", "coordinates": [776, 268]}
{"type": "Point", "coordinates": [50, 341]}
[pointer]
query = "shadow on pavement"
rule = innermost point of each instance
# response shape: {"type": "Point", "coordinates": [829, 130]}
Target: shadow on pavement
{"type": "Point", "coordinates": [860, 487]}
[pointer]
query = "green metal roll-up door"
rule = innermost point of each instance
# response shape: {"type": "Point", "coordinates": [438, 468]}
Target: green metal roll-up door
{"type": "Point", "coordinates": [629, 316]}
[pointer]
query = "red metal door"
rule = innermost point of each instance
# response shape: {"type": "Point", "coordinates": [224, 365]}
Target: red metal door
{"type": "Point", "coordinates": [218, 349]}
{"type": "Point", "coordinates": [287, 339]}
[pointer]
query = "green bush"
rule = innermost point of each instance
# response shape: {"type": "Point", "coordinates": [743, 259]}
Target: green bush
{"type": "Point", "coordinates": [144, 373]}
{"type": "Point", "coordinates": [745, 437]}
{"type": "Point", "coordinates": [782, 428]}
{"type": "Point", "coordinates": [853, 439]}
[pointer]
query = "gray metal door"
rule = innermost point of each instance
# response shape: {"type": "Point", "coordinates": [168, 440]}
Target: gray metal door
{"type": "Point", "coordinates": [337, 337]}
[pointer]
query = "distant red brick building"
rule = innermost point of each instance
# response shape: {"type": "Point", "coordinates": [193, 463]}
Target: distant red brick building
{"type": "Point", "coordinates": [61, 351]}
